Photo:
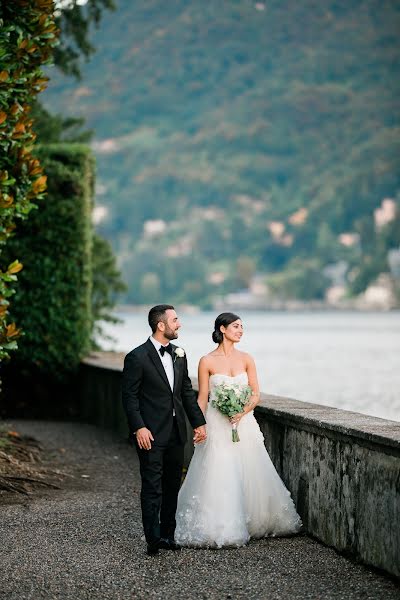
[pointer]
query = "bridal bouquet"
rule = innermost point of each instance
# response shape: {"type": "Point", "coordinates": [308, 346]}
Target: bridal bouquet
{"type": "Point", "coordinates": [229, 399]}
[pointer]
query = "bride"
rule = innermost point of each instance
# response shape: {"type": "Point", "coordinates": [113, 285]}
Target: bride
{"type": "Point", "coordinates": [232, 491]}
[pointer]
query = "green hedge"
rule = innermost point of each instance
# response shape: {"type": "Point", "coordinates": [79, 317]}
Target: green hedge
{"type": "Point", "coordinates": [53, 300]}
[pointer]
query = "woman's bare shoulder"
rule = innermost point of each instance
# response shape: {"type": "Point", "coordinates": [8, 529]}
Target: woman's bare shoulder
{"type": "Point", "coordinates": [210, 354]}
{"type": "Point", "coordinates": [243, 354]}
{"type": "Point", "coordinates": [206, 359]}
{"type": "Point", "coordinates": [247, 358]}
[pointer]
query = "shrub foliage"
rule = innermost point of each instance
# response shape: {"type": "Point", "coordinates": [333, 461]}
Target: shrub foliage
{"type": "Point", "coordinates": [53, 301]}
{"type": "Point", "coordinates": [28, 35]}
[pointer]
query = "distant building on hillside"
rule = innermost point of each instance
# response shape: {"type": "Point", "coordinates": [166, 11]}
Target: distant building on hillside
{"type": "Point", "coordinates": [154, 228]}
{"type": "Point", "coordinates": [394, 262]}
{"type": "Point", "coordinates": [255, 297]}
{"type": "Point", "coordinates": [385, 213]}
{"type": "Point", "coordinates": [349, 239]}
{"type": "Point", "coordinates": [336, 272]}
{"type": "Point", "coordinates": [379, 295]}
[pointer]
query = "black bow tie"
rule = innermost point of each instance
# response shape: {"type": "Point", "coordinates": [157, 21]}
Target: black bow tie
{"type": "Point", "coordinates": [164, 349]}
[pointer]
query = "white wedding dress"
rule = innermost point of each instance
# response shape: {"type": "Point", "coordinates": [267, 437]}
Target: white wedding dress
{"type": "Point", "coordinates": [232, 491]}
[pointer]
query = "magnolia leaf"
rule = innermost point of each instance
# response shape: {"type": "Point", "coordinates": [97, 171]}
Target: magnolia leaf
{"type": "Point", "coordinates": [19, 128]}
{"type": "Point", "coordinates": [11, 345]}
{"type": "Point", "coordinates": [12, 331]}
{"type": "Point", "coordinates": [15, 267]}
{"type": "Point", "coordinates": [39, 184]}
{"type": "Point", "coordinates": [6, 201]}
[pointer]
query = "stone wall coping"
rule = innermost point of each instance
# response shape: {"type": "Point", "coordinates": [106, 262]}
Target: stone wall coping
{"type": "Point", "coordinates": [105, 360]}
{"type": "Point", "coordinates": [368, 429]}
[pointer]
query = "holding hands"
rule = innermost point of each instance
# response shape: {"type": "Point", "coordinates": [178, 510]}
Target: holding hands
{"type": "Point", "coordinates": [200, 434]}
{"type": "Point", "coordinates": [144, 437]}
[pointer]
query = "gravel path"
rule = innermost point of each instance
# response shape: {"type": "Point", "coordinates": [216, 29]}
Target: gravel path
{"type": "Point", "coordinates": [85, 541]}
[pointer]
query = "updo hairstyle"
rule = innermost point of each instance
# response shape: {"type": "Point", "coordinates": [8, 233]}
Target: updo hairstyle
{"type": "Point", "coordinates": [224, 319]}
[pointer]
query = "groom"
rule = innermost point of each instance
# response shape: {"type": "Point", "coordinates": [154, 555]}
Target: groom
{"type": "Point", "coordinates": [156, 394]}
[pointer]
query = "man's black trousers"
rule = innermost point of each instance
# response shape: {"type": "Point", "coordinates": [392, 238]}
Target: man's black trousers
{"type": "Point", "coordinates": [161, 473]}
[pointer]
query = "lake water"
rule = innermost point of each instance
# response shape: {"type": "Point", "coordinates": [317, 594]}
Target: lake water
{"type": "Point", "coordinates": [347, 360]}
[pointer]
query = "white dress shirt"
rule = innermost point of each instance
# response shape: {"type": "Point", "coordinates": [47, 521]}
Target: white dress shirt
{"type": "Point", "coordinates": [166, 362]}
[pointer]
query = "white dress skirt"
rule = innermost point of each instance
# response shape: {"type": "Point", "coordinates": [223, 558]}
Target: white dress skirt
{"type": "Point", "coordinates": [232, 491]}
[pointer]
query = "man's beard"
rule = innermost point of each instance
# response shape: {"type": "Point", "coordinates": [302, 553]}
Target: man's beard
{"type": "Point", "coordinates": [170, 334]}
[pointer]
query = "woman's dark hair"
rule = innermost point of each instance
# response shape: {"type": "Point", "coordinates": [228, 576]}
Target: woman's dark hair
{"type": "Point", "coordinates": [157, 314]}
{"type": "Point", "coordinates": [224, 319]}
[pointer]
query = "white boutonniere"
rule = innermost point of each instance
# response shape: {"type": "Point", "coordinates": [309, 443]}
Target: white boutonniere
{"type": "Point", "coordinates": [180, 352]}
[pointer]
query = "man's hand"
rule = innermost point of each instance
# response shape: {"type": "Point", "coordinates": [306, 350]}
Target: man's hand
{"type": "Point", "coordinates": [144, 438]}
{"type": "Point", "coordinates": [200, 434]}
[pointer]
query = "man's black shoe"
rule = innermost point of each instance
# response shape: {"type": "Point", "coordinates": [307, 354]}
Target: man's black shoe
{"type": "Point", "coordinates": [153, 548]}
{"type": "Point", "coordinates": [168, 544]}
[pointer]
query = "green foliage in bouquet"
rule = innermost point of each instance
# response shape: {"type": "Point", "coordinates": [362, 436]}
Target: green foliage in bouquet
{"type": "Point", "coordinates": [230, 399]}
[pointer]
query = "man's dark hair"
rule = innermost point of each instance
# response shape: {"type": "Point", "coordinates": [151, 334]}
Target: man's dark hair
{"type": "Point", "coordinates": [157, 314]}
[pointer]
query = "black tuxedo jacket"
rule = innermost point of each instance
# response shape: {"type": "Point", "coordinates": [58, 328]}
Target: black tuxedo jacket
{"type": "Point", "coordinates": [147, 397]}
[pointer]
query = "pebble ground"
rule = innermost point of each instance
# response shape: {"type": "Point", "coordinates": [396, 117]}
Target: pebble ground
{"type": "Point", "coordinates": [84, 542]}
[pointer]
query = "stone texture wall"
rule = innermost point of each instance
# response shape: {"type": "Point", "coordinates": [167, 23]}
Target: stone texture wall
{"type": "Point", "coordinates": [342, 468]}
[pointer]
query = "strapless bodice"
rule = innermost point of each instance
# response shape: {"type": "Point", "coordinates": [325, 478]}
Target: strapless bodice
{"type": "Point", "coordinates": [218, 378]}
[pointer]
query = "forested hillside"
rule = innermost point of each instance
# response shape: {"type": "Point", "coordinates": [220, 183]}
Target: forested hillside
{"type": "Point", "coordinates": [255, 134]}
